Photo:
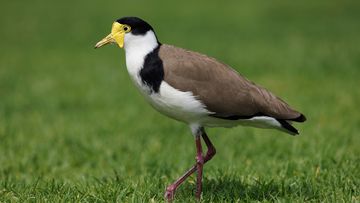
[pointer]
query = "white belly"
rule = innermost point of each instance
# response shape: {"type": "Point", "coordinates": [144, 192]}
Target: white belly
{"type": "Point", "coordinates": [182, 106]}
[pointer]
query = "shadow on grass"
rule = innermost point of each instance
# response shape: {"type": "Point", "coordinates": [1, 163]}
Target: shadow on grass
{"type": "Point", "coordinates": [230, 188]}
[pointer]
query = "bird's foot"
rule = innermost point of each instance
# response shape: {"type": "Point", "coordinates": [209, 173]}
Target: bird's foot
{"type": "Point", "coordinates": [170, 193]}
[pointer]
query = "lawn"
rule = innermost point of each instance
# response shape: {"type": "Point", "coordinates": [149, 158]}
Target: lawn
{"type": "Point", "coordinates": [73, 128]}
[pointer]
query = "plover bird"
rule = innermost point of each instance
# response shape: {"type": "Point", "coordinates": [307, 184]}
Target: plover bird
{"type": "Point", "coordinates": [195, 89]}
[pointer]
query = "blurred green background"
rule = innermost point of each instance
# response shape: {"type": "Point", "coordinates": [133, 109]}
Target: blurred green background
{"type": "Point", "coordinates": [74, 128]}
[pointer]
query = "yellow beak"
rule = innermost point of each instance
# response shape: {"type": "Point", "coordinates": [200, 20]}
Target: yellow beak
{"type": "Point", "coordinates": [117, 35]}
{"type": "Point", "coordinates": [108, 39]}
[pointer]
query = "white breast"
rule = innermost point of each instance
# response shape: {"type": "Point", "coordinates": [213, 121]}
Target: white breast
{"type": "Point", "coordinates": [179, 105]}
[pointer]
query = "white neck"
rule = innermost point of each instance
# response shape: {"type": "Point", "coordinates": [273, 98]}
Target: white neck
{"type": "Point", "coordinates": [136, 48]}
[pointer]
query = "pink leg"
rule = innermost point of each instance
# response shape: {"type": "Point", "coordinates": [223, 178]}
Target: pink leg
{"type": "Point", "coordinates": [211, 149]}
{"type": "Point", "coordinates": [170, 191]}
{"type": "Point", "coordinates": [199, 167]}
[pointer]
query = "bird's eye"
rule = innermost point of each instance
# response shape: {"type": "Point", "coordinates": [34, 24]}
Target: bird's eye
{"type": "Point", "coordinates": [127, 28]}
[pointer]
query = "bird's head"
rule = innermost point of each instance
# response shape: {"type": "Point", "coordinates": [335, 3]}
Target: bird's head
{"type": "Point", "coordinates": [129, 30]}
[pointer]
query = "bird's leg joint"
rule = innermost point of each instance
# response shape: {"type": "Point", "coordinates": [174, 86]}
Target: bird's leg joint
{"type": "Point", "coordinates": [200, 158]}
{"type": "Point", "coordinates": [210, 153]}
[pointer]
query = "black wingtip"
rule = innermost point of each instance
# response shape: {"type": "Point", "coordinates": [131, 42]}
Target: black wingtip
{"type": "Point", "coordinates": [290, 129]}
{"type": "Point", "coordinates": [300, 119]}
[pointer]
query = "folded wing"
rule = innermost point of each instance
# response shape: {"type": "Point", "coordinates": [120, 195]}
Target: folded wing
{"type": "Point", "coordinates": [220, 88]}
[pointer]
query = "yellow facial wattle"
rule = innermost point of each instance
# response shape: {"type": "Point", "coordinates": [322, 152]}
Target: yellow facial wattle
{"type": "Point", "coordinates": [117, 35]}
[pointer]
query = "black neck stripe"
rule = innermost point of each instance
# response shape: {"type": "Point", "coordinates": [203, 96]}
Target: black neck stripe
{"type": "Point", "coordinates": [152, 73]}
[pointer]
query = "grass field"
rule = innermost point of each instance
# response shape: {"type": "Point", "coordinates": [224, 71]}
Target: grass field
{"type": "Point", "coordinates": [74, 128]}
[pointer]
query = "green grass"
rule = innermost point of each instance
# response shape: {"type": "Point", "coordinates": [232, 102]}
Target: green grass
{"type": "Point", "coordinates": [74, 128]}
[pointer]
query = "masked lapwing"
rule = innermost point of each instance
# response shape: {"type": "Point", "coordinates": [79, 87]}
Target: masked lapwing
{"type": "Point", "coordinates": [195, 89]}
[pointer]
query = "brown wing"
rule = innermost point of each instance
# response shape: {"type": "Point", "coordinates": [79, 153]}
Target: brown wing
{"type": "Point", "coordinates": [221, 89]}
